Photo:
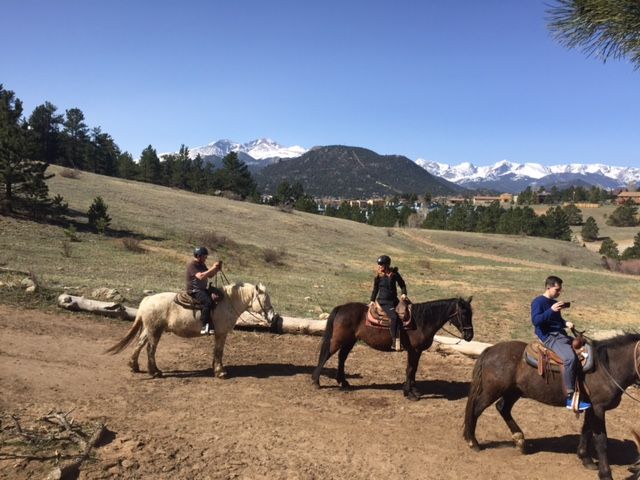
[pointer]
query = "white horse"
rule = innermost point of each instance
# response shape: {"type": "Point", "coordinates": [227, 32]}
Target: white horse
{"type": "Point", "coordinates": [159, 313]}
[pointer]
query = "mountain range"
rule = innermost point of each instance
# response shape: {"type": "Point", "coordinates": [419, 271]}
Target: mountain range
{"type": "Point", "coordinates": [503, 176]}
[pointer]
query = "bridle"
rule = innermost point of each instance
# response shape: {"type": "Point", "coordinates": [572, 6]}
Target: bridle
{"type": "Point", "coordinates": [256, 296]}
{"type": "Point", "coordinates": [458, 315]}
{"type": "Point", "coordinates": [636, 367]}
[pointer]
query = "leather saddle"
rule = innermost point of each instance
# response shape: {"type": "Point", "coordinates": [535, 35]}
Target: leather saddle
{"type": "Point", "coordinates": [546, 360]}
{"type": "Point", "coordinates": [185, 300]}
{"type": "Point", "coordinates": [378, 318]}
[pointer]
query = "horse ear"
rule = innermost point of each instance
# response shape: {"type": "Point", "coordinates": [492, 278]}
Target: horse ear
{"type": "Point", "coordinates": [469, 299]}
{"type": "Point", "coordinates": [261, 288]}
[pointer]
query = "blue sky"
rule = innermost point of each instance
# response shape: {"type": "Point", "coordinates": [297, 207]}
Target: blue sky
{"type": "Point", "coordinates": [445, 81]}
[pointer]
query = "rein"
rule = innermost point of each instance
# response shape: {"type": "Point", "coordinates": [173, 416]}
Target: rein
{"type": "Point", "coordinates": [224, 277]}
{"type": "Point", "coordinates": [459, 315]}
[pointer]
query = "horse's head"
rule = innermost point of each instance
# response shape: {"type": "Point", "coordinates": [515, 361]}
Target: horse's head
{"type": "Point", "coordinates": [261, 302]}
{"type": "Point", "coordinates": [462, 317]}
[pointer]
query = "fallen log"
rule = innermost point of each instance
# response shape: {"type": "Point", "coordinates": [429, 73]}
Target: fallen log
{"type": "Point", "coordinates": [251, 321]}
{"type": "Point", "coordinates": [109, 309]}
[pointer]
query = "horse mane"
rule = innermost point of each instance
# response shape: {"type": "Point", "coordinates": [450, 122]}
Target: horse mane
{"type": "Point", "coordinates": [425, 312]}
{"type": "Point", "coordinates": [601, 347]}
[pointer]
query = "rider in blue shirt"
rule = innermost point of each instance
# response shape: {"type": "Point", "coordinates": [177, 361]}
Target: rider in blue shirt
{"type": "Point", "coordinates": [550, 328]}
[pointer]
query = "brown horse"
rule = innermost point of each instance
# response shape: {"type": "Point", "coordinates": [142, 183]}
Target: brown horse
{"type": "Point", "coordinates": [501, 374]}
{"type": "Point", "coordinates": [346, 325]}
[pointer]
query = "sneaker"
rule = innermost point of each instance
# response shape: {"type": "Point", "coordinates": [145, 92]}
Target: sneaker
{"type": "Point", "coordinates": [205, 329]}
{"type": "Point", "coordinates": [582, 404]}
{"type": "Point", "coordinates": [398, 346]}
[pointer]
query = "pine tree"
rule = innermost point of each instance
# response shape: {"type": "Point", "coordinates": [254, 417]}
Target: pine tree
{"type": "Point", "coordinates": [76, 139]}
{"type": "Point", "coordinates": [97, 215]}
{"type": "Point", "coordinates": [609, 249]}
{"type": "Point", "coordinates": [149, 166]}
{"type": "Point", "coordinates": [603, 28]}
{"type": "Point", "coordinates": [436, 219]}
{"type": "Point", "coordinates": [590, 230]}
{"type": "Point", "coordinates": [22, 181]}
{"type": "Point", "coordinates": [45, 140]}
{"type": "Point", "coordinates": [634, 250]}
{"type": "Point", "coordinates": [574, 214]}
{"type": "Point", "coordinates": [127, 168]}
{"type": "Point", "coordinates": [234, 176]}
{"type": "Point", "coordinates": [556, 224]}
{"type": "Point", "coordinates": [624, 216]}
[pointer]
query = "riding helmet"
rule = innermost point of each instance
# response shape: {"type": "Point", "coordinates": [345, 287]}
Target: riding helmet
{"type": "Point", "coordinates": [384, 260]}
{"type": "Point", "coordinates": [200, 251]}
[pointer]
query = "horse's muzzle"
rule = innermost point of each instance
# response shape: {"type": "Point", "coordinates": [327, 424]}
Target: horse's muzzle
{"type": "Point", "coordinates": [468, 334]}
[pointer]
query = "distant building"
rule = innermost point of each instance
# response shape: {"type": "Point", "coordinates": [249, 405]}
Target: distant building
{"type": "Point", "coordinates": [624, 197]}
{"type": "Point", "coordinates": [504, 200]}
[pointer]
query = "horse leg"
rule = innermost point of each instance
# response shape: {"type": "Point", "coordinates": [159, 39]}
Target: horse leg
{"type": "Point", "coordinates": [585, 440]}
{"type": "Point", "coordinates": [600, 441]}
{"type": "Point", "coordinates": [133, 361]}
{"type": "Point", "coordinates": [218, 349]}
{"type": "Point", "coordinates": [504, 406]}
{"type": "Point", "coordinates": [409, 388]}
{"type": "Point", "coordinates": [153, 339]}
{"type": "Point", "coordinates": [341, 377]}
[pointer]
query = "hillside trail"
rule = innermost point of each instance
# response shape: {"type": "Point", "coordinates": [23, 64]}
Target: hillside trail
{"type": "Point", "coordinates": [267, 421]}
{"type": "Point", "coordinates": [418, 237]}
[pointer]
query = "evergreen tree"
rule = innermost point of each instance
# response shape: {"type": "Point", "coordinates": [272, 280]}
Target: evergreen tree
{"type": "Point", "coordinates": [590, 230]}
{"type": "Point", "coordinates": [103, 154]}
{"type": "Point", "coordinates": [44, 134]}
{"type": "Point", "coordinates": [386, 216]}
{"type": "Point", "coordinates": [603, 28]}
{"type": "Point", "coordinates": [149, 166]}
{"type": "Point", "coordinates": [556, 224]}
{"type": "Point", "coordinates": [75, 139]}
{"type": "Point", "coordinates": [127, 168]}
{"type": "Point", "coordinates": [22, 181]}
{"type": "Point", "coordinates": [624, 216]}
{"type": "Point", "coordinates": [609, 249]}
{"type": "Point", "coordinates": [574, 214]}
{"type": "Point", "coordinates": [234, 176]}
{"type": "Point", "coordinates": [634, 250]}
{"type": "Point", "coordinates": [97, 215]}
{"type": "Point", "coordinates": [436, 219]}
{"type": "Point", "coordinates": [488, 218]}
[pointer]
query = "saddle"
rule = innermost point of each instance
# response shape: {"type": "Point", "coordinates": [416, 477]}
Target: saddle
{"type": "Point", "coordinates": [185, 300]}
{"type": "Point", "coordinates": [378, 318]}
{"type": "Point", "coordinates": [547, 361]}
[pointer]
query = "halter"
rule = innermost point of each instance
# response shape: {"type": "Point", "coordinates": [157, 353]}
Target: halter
{"type": "Point", "coordinates": [255, 297]}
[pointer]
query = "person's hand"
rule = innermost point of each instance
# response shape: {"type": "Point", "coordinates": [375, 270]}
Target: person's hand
{"type": "Point", "coordinates": [556, 307]}
{"type": "Point", "coordinates": [403, 297]}
{"type": "Point", "coordinates": [218, 265]}
{"type": "Point", "coordinates": [569, 325]}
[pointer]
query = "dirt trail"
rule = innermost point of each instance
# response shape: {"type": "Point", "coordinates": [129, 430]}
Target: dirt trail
{"type": "Point", "coordinates": [416, 236]}
{"type": "Point", "coordinates": [266, 421]}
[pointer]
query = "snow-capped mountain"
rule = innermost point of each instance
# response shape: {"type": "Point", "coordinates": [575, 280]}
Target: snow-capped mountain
{"type": "Point", "coordinates": [514, 177]}
{"type": "Point", "coordinates": [260, 149]}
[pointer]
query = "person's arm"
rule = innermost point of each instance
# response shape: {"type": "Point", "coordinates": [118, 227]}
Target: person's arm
{"type": "Point", "coordinates": [211, 272]}
{"type": "Point", "coordinates": [402, 285]}
{"type": "Point", "coordinates": [374, 292]}
{"type": "Point", "coordinates": [540, 314]}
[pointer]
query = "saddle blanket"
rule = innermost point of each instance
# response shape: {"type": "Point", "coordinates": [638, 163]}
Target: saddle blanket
{"type": "Point", "coordinates": [377, 317]}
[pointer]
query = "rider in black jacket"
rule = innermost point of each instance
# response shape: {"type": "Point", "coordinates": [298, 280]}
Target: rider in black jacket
{"type": "Point", "coordinates": [385, 292]}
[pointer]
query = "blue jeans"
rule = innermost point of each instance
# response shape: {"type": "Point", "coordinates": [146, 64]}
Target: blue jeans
{"type": "Point", "coordinates": [560, 343]}
{"type": "Point", "coordinates": [390, 310]}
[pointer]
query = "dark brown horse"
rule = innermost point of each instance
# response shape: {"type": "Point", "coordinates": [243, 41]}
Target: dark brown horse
{"type": "Point", "coordinates": [346, 325]}
{"type": "Point", "coordinates": [501, 374]}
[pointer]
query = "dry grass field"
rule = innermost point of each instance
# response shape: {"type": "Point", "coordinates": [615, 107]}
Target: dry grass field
{"type": "Point", "coordinates": [310, 263]}
{"type": "Point", "coordinates": [266, 421]}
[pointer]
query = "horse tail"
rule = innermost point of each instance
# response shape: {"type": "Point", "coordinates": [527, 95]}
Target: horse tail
{"type": "Point", "coordinates": [475, 390]}
{"type": "Point", "coordinates": [328, 333]}
{"type": "Point", "coordinates": [128, 338]}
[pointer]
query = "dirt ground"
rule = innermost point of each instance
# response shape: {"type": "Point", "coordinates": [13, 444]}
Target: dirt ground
{"type": "Point", "coordinates": [267, 421]}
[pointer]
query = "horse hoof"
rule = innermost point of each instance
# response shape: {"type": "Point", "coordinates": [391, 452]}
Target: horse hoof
{"type": "Point", "coordinates": [345, 386]}
{"type": "Point", "coordinates": [222, 375]}
{"type": "Point", "coordinates": [135, 368]}
{"type": "Point", "coordinates": [518, 439]}
{"type": "Point", "coordinates": [156, 374]}
{"type": "Point", "coordinates": [475, 446]}
{"type": "Point", "coordinates": [315, 383]}
{"type": "Point", "coordinates": [589, 464]}
{"type": "Point", "coordinates": [412, 396]}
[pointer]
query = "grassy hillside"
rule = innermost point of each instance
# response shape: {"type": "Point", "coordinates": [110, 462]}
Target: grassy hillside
{"type": "Point", "coordinates": [313, 263]}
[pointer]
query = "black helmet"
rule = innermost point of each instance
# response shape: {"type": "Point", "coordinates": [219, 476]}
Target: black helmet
{"type": "Point", "coordinates": [384, 260]}
{"type": "Point", "coordinates": [200, 251]}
